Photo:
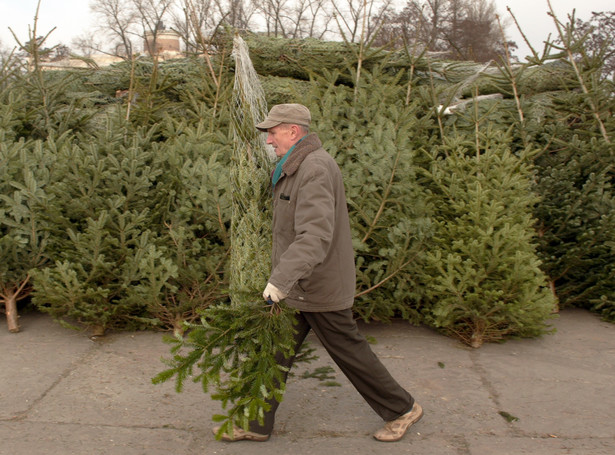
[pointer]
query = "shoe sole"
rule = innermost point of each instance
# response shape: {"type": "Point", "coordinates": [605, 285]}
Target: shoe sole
{"type": "Point", "coordinates": [241, 436]}
{"type": "Point", "coordinates": [226, 438]}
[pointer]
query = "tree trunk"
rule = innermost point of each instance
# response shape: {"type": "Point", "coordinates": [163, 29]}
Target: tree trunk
{"type": "Point", "coordinates": [11, 313]}
{"type": "Point", "coordinates": [554, 291]}
{"type": "Point", "coordinates": [97, 331]}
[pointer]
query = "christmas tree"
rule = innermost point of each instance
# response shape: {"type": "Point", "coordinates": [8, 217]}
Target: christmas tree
{"type": "Point", "coordinates": [235, 345]}
{"type": "Point", "coordinates": [482, 276]}
{"type": "Point", "coordinates": [375, 138]}
{"type": "Point", "coordinates": [23, 233]}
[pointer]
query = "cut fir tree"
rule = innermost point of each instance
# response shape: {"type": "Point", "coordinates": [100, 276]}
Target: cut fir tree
{"type": "Point", "coordinates": [482, 276]}
{"type": "Point", "coordinates": [23, 234]}
{"type": "Point", "coordinates": [233, 350]}
{"type": "Point", "coordinates": [236, 345]}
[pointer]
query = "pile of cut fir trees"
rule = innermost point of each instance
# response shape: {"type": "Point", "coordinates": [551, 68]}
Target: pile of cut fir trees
{"type": "Point", "coordinates": [480, 196]}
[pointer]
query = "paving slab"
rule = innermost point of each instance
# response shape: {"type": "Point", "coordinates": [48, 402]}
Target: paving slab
{"type": "Point", "coordinates": [64, 393]}
{"type": "Point", "coordinates": [33, 361]}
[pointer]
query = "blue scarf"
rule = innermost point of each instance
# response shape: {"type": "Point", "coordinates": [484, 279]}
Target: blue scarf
{"type": "Point", "coordinates": [278, 169]}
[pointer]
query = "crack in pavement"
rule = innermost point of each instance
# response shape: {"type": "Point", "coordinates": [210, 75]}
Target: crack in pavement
{"type": "Point", "coordinates": [22, 415]}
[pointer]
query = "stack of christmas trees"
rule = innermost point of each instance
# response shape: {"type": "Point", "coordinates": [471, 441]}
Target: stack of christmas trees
{"type": "Point", "coordinates": [118, 213]}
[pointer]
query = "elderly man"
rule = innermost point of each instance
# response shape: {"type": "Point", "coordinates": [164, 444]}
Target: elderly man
{"type": "Point", "coordinates": [313, 270]}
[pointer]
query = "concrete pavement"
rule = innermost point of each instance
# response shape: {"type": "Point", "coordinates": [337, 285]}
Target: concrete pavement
{"type": "Point", "coordinates": [63, 393]}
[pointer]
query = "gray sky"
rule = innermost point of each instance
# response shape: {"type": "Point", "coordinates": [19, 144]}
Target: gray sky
{"type": "Point", "coordinates": [72, 17]}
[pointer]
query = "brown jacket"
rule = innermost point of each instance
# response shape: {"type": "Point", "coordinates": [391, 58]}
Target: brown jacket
{"type": "Point", "coordinates": [312, 257]}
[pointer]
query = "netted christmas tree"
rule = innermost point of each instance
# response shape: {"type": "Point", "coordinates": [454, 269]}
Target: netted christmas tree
{"type": "Point", "coordinates": [250, 171]}
{"type": "Point", "coordinates": [234, 345]}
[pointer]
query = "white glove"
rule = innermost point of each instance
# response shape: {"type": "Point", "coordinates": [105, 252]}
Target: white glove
{"type": "Point", "coordinates": [273, 293]}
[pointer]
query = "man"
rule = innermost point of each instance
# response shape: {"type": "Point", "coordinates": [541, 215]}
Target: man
{"type": "Point", "coordinates": [313, 270]}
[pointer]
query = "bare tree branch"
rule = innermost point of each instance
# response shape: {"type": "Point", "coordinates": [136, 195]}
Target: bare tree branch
{"type": "Point", "coordinates": [118, 21]}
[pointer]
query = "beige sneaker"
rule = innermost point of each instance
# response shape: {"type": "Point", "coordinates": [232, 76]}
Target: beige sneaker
{"type": "Point", "coordinates": [396, 429]}
{"type": "Point", "coordinates": [239, 434]}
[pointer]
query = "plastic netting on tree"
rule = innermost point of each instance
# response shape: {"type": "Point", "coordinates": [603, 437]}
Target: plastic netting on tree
{"type": "Point", "coordinates": [250, 171]}
{"type": "Point", "coordinates": [235, 346]}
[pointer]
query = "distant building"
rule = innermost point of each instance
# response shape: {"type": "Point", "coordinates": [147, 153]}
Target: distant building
{"type": "Point", "coordinates": [166, 44]}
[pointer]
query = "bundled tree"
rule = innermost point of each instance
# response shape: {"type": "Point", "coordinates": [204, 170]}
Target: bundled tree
{"type": "Point", "coordinates": [235, 346]}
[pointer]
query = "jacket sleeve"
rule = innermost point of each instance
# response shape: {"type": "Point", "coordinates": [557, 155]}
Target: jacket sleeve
{"type": "Point", "coordinates": [314, 224]}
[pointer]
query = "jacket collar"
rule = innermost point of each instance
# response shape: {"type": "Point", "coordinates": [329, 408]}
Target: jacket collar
{"type": "Point", "coordinates": [308, 144]}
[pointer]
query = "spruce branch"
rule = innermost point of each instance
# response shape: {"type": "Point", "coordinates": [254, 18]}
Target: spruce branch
{"type": "Point", "coordinates": [438, 111]}
{"type": "Point", "coordinates": [361, 50]}
{"type": "Point", "coordinates": [578, 73]}
{"type": "Point", "coordinates": [232, 350]}
{"type": "Point", "coordinates": [388, 277]}
{"type": "Point", "coordinates": [131, 86]}
{"type": "Point", "coordinates": [476, 127]}
{"type": "Point", "coordinates": [385, 197]}
{"type": "Point", "coordinates": [512, 77]}
{"type": "Point", "coordinates": [414, 59]}
{"type": "Point", "coordinates": [527, 42]}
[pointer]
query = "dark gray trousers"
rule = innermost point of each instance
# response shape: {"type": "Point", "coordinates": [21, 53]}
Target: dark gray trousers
{"type": "Point", "coordinates": [338, 332]}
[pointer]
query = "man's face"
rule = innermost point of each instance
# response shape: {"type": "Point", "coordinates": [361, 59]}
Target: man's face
{"type": "Point", "coordinates": [282, 138]}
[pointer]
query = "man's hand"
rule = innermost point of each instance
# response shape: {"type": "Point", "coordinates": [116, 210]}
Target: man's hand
{"type": "Point", "coordinates": [273, 293]}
